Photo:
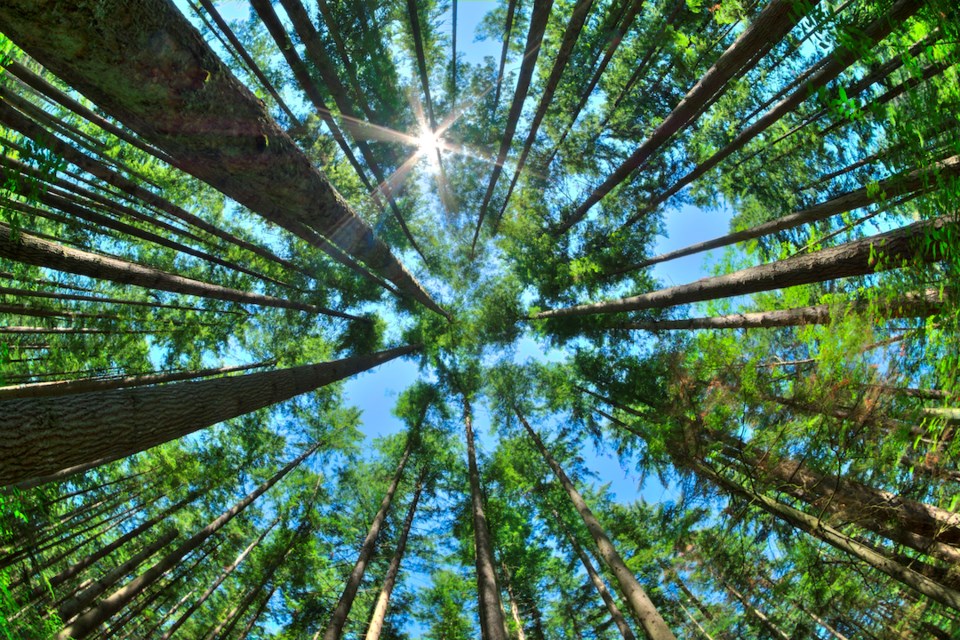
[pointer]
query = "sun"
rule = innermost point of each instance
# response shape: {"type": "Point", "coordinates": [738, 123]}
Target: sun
{"type": "Point", "coordinates": [428, 142]}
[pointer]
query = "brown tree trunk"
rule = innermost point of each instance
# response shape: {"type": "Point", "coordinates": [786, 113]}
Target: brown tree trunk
{"type": "Point", "coordinates": [390, 578]}
{"type": "Point", "coordinates": [637, 599]}
{"type": "Point", "coordinates": [856, 258]}
{"type": "Point", "coordinates": [43, 435]}
{"type": "Point", "coordinates": [493, 626]}
{"type": "Point", "coordinates": [339, 616]}
{"type": "Point", "coordinates": [175, 92]}
{"type": "Point", "coordinates": [116, 601]}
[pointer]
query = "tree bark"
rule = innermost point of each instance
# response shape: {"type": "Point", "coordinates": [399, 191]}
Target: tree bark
{"type": "Point", "coordinates": [390, 578]}
{"type": "Point", "coordinates": [41, 436]}
{"type": "Point", "coordinates": [144, 64]}
{"type": "Point", "coordinates": [639, 602]}
{"type": "Point", "coordinates": [339, 616]}
{"type": "Point", "coordinates": [94, 618]}
{"type": "Point", "coordinates": [493, 626]}
{"type": "Point", "coordinates": [765, 620]}
{"type": "Point", "coordinates": [857, 258]}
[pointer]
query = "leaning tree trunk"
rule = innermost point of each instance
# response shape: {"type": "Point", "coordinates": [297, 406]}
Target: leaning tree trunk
{"type": "Point", "coordinates": [390, 578]}
{"type": "Point", "coordinates": [157, 76]}
{"type": "Point", "coordinates": [40, 436]}
{"type": "Point", "coordinates": [493, 626]}
{"type": "Point", "coordinates": [857, 258]}
{"type": "Point", "coordinates": [339, 617]}
{"type": "Point", "coordinates": [637, 599]}
{"type": "Point", "coordinates": [95, 617]}
{"type": "Point", "coordinates": [765, 621]}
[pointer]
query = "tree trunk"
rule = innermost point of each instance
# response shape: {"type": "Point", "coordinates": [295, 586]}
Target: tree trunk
{"type": "Point", "coordinates": [57, 388]}
{"type": "Point", "coordinates": [390, 578]}
{"type": "Point", "coordinates": [538, 25]}
{"type": "Point", "coordinates": [339, 616]}
{"type": "Point", "coordinates": [28, 249]}
{"type": "Point", "coordinates": [773, 23]}
{"type": "Point", "coordinates": [822, 531]}
{"type": "Point", "coordinates": [856, 258]}
{"type": "Point", "coordinates": [765, 621]}
{"type": "Point", "coordinates": [172, 629]}
{"type": "Point", "coordinates": [174, 91]}
{"type": "Point", "coordinates": [639, 602]}
{"type": "Point", "coordinates": [43, 435]}
{"type": "Point", "coordinates": [911, 306]}
{"type": "Point", "coordinates": [615, 614]}
{"type": "Point", "coordinates": [92, 619]}
{"type": "Point", "coordinates": [493, 626]}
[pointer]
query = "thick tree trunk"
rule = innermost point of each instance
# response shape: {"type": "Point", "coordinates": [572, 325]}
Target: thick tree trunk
{"type": "Point", "coordinates": [637, 599]}
{"type": "Point", "coordinates": [857, 258]}
{"type": "Point", "coordinates": [94, 618]}
{"type": "Point", "coordinates": [145, 65]}
{"type": "Point", "coordinates": [172, 629]}
{"type": "Point", "coordinates": [390, 578]}
{"type": "Point", "coordinates": [493, 626]}
{"type": "Point", "coordinates": [538, 25]}
{"type": "Point", "coordinates": [914, 305]}
{"type": "Point", "coordinates": [57, 388]}
{"type": "Point", "coordinates": [768, 28]}
{"type": "Point", "coordinates": [29, 249]}
{"type": "Point", "coordinates": [615, 614]}
{"type": "Point", "coordinates": [339, 616]}
{"type": "Point", "coordinates": [822, 531]}
{"type": "Point", "coordinates": [40, 436]}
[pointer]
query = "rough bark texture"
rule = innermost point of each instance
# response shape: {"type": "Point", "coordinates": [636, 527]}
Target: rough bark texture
{"type": "Point", "coordinates": [29, 249]}
{"type": "Point", "coordinates": [857, 258]}
{"type": "Point", "coordinates": [41, 436]}
{"type": "Point", "coordinates": [637, 599]}
{"type": "Point", "coordinates": [492, 623]}
{"type": "Point", "coordinates": [339, 616]}
{"type": "Point", "coordinates": [116, 601]}
{"type": "Point", "coordinates": [769, 27]}
{"type": "Point", "coordinates": [144, 64]}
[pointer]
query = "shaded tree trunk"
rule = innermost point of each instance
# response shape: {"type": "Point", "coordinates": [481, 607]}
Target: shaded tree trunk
{"type": "Point", "coordinates": [109, 425]}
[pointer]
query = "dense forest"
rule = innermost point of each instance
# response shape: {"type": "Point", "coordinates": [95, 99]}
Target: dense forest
{"type": "Point", "coordinates": [215, 214]}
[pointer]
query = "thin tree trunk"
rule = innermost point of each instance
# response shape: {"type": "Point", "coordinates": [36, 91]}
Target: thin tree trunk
{"type": "Point", "coordinates": [493, 626]}
{"type": "Point", "coordinates": [911, 305]}
{"type": "Point", "coordinates": [58, 388]}
{"type": "Point", "coordinates": [765, 620]}
{"type": "Point", "coordinates": [339, 616]}
{"type": "Point", "coordinates": [768, 28]}
{"type": "Point", "coordinates": [172, 629]}
{"type": "Point", "coordinates": [390, 578]}
{"type": "Point", "coordinates": [51, 295]}
{"type": "Point", "coordinates": [639, 602]}
{"type": "Point", "coordinates": [615, 614]}
{"type": "Point", "coordinates": [40, 436]}
{"type": "Point", "coordinates": [822, 531]}
{"type": "Point", "coordinates": [195, 113]}
{"type": "Point", "coordinates": [29, 249]}
{"type": "Point", "coordinates": [94, 618]}
{"type": "Point", "coordinates": [511, 597]}
{"type": "Point", "coordinates": [538, 25]}
{"type": "Point", "coordinates": [857, 258]}
{"type": "Point", "coordinates": [507, 33]}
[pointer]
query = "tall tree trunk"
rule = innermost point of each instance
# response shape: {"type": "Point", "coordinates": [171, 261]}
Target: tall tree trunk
{"type": "Point", "coordinates": [856, 258]}
{"type": "Point", "coordinates": [339, 616]}
{"type": "Point", "coordinates": [639, 602]}
{"type": "Point", "coordinates": [493, 626]}
{"type": "Point", "coordinates": [615, 614]}
{"type": "Point", "coordinates": [172, 629]}
{"type": "Point", "coordinates": [390, 578]}
{"type": "Point", "coordinates": [40, 436]}
{"type": "Point", "coordinates": [176, 93]}
{"type": "Point", "coordinates": [68, 387]}
{"type": "Point", "coordinates": [822, 531]}
{"type": "Point", "coordinates": [765, 620]}
{"type": "Point", "coordinates": [28, 249]}
{"type": "Point", "coordinates": [511, 597]}
{"type": "Point", "coordinates": [92, 619]}
{"type": "Point", "coordinates": [914, 305]}
{"type": "Point", "coordinates": [773, 23]}
{"type": "Point", "coordinates": [538, 25]}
